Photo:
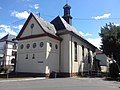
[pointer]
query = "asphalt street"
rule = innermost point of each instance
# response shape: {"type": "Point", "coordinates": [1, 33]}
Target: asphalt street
{"type": "Point", "coordinates": [61, 84]}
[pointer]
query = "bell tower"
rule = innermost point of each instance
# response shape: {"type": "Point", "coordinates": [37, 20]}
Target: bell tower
{"type": "Point", "coordinates": [67, 17]}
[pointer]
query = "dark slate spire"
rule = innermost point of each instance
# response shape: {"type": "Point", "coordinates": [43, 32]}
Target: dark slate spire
{"type": "Point", "coordinates": [67, 17]}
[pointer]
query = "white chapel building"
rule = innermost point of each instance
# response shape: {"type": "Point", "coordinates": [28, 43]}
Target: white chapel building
{"type": "Point", "coordinates": [44, 47]}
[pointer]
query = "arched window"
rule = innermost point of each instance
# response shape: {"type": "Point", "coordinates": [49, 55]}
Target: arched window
{"type": "Point", "coordinates": [56, 46]}
{"type": "Point", "coordinates": [75, 51]}
{"type": "Point", "coordinates": [33, 56]}
{"type": "Point", "coordinates": [50, 44]}
{"type": "Point", "coordinates": [26, 56]}
{"type": "Point", "coordinates": [82, 53]}
{"type": "Point", "coordinates": [89, 56]}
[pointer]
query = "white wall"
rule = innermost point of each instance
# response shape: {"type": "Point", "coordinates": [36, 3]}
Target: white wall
{"type": "Point", "coordinates": [31, 65]}
{"type": "Point", "coordinates": [36, 30]}
{"type": "Point", "coordinates": [68, 63]}
{"type": "Point", "coordinates": [52, 55]}
{"type": "Point", "coordinates": [46, 57]}
{"type": "Point", "coordinates": [65, 54]}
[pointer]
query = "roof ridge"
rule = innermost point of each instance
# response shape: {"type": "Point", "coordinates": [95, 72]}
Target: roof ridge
{"type": "Point", "coordinates": [70, 28]}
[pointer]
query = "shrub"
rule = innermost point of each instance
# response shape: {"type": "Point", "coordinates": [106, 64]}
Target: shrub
{"type": "Point", "coordinates": [3, 69]}
{"type": "Point", "coordinates": [113, 70]}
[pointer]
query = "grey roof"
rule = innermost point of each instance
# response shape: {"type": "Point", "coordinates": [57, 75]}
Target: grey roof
{"type": "Point", "coordinates": [8, 37]}
{"type": "Point", "coordinates": [48, 27]}
{"type": "Point", "coordinates": [63, 27]}
{"type": "Point", "coordinates": [53, 27]}
{"type": "Point", "coordinates": [61, 24]}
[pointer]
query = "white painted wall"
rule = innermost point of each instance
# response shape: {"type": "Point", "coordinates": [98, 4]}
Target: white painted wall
{"type": "Point", "coordinates": [36, 30]}
{"type": "Point", "coordinates": [46, 58]}
{"type": "Point", "coordinates": [68, 63]}
{"type": "Point", "coordinates": [65, 54]}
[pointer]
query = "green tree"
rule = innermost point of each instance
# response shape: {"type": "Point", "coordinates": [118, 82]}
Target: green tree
{"type": "Point", "coordinates": [110, 35]}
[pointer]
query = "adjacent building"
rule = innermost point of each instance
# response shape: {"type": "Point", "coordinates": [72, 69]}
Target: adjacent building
{"type": "Point", "coordinates": [44, 47]}
{"type": "Point", "coordinates": [8, 50]}
{"type": "Point", "coordinates": [104, 61]}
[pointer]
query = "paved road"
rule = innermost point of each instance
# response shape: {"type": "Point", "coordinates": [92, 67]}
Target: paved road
{"type": "Point", "coordinates": [61, 84]}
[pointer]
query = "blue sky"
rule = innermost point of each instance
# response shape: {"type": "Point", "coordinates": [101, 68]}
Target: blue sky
{"type": "Point", "coordinates": [88, 15]}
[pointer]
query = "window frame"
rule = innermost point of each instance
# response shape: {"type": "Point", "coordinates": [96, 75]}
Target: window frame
{"type": "Point", "coordinates": [75, 52]}
{"type": "Point", "coordinates": [28, 46]}
{"type": "Point", "coordinates": [21, 46]}
{"type": "Point", "coordinates": [41, 44]}
{"type": "Point", "coordinates": [83, 54]}
{"type": "Point", "coordinates": [50, 44]}
{"type": "Point", "coordinates": [26, 56]}
{"type": "Point", "coordinates": [34, 45]}
{"type": "Point", "coordinates": [56, 46]}
{"type": "Point", "coordinates": [32, 26]}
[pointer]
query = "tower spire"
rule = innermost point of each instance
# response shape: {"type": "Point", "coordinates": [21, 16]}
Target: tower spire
{"type": "Point", "coordinates": [67, 17]}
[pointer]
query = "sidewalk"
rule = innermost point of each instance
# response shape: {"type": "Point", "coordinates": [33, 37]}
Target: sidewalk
{"type": "Point", "coordinates": [21, 79]}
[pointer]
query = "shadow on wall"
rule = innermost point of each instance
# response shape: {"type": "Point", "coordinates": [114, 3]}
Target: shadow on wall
{"type": "Point", "coordinates": [51, 62]}
{"type": "Point", "coordinates": [87, 68]}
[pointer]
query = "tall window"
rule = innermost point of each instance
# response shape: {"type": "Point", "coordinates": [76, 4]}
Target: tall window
{"type": "Point", "coordinates": [89, 56]}
{"type": "Point", "coordinates": [75, 51]}
{"type": "Point", "coordinates": [82, 53]}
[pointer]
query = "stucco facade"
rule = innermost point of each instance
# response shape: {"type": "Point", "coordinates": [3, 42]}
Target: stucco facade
{"type": "Point", "coordinates": [68, 62]}
{"type": "Point", "coordinates": [39, 58]}
{"type": "Point", "coordinates": [44, 47]}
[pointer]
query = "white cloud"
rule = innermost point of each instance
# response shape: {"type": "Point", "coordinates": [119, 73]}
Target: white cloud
{"type": "Point", "coordinates": [20, 15]}
{"type": "Point", "coordinates": [2, 34]}
{"type": "Point", "coordinates": [102, 17]}
{"type": "Point", "coordinates": [19, 27]}
{"type": "Point", "coordinates": [85, 34]}
{"type": "Point", "coordinates": [36, 6]}
{"type": "Point", "coordinates": [95, 41]}
{"type": "Point", "coordinates": [5, 29]}
{"type": "Point", "coordinates": [116, 24]}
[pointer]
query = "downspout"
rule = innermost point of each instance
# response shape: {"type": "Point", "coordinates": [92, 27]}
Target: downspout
{"type": "Point", "coordinates": [71, 56]}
